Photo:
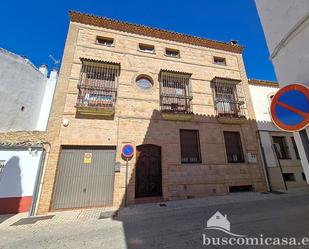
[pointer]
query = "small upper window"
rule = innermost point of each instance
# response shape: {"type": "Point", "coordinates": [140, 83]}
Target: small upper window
{"type": "Point", "coordinates": [144, 82]}
{"type": "Point", "coordinates": [146, 48]}
{"type": "Point", "coordinates": [172, 52]}
{"type": "Point", "coordinates": [220, 61]}
{"type": "Point", "coordinates": [105, 41]}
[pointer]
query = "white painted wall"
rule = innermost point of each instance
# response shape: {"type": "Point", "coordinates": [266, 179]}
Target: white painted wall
{"type": "Point", "coordinates": [286, 28]}
{"type": "Point", "coordinates": [47, 101]}
{"type": "Point", "coordinates": [19, 174]}
{"type": "Point", "coordinates": [260, 96]}
{"type": "Point", "coordinates": [22, 84]}
{"type": "Point", "coordinates": [268, 150]}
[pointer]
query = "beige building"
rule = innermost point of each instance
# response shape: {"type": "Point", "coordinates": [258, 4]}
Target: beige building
{"type": "Point", "coordinates": [281, 156]}
{"type": "Point", "coordinates": [183, 102]}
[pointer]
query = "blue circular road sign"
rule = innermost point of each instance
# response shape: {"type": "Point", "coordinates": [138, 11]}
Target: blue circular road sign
{"type": "Point", "coordinates": [290, 108]}
{"type": "Point", "coordinates": [127, 150]}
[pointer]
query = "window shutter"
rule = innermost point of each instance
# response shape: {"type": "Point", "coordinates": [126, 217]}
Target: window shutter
{"type": "Point", "coordinates": [190, 146]}
{"type": "Point", "coordinates": [233, 147]}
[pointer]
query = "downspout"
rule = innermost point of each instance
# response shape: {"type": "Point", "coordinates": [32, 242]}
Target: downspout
{"type": "Point", "coordinates": [39, 180]}
{"type": "Point", "coordinates": [265, 166]}
{"type": "Point", "coordinates": [36, 185]}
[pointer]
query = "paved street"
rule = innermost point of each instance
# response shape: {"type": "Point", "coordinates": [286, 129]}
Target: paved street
{"type": "Point", "coordinates": [180, 224]}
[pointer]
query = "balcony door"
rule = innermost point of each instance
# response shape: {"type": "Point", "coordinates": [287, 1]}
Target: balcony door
{"type": "Point", "coordinates": [225, 96]}
{"type": "Point", "coordinates": [228, 97]}
{"type": "Point", "coordinates": [175, 95]}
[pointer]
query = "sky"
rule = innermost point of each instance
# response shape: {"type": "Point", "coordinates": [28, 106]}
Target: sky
{"type": "Point", "coordinates": [36, 29]}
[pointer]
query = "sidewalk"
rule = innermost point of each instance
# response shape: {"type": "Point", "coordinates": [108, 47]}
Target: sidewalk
{"type": "Point", "coordinates": [211, 201]}
{"type": "Point", "coordinates": [90, 215]}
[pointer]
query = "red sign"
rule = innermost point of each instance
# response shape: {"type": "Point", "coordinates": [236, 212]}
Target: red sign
{"type": "Point", "coordinates": [290, 108]}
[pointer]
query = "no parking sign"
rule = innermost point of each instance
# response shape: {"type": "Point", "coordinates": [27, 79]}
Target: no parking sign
{"type": "Point", "coordinates": [290, 108]}
{"type": "Point", "coordinates": [127, 150]}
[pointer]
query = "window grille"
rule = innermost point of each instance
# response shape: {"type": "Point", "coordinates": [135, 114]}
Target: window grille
{"type": "Point", "coordinates": [97, 86]}
{"type": "Point", "coordinates": [175, 92]}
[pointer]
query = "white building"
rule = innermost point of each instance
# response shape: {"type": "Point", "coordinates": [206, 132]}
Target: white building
{"type": "Point", "coordinates": [26, 94]}
{"type": "Point", "coordinates": [286, 28]}
{"type": "Point", "coordinates": [288, 159]}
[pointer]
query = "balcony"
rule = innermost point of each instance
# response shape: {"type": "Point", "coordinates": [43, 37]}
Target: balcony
{"type": "Point", "coordinates": [97, 88]}
{"type": "Point", "coordinates": [176, 107]}
{"type": "Point", "coordinates": [98, 101]}
{"type": "Point", "coordinates": [231, 112]}
{"type": "Point", "coordinates": [229, 101]}
{"type": "Point", "coordinates": [175, 97]}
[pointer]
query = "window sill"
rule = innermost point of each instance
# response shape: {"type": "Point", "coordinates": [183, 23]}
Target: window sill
{"type": "Point", "coordinates": [169, 56]}
{"type": "Point", "coordinates": [146, 52]}
{"type": "Point", "coordinates": [189, 163]}
{"type": "Point", "coordinates": [236, 163]}
{"type": "Point", "coordinates": [221, 65]}
{"type": "Point", "coordinates": [109, 46]}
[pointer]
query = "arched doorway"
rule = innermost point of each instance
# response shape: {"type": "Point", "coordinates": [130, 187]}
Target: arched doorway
{"type": "Point", "coordinates": [148, 176]}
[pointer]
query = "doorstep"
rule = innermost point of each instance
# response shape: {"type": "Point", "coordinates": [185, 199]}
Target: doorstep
{"type": "Point", "coordinates": [152, 199]}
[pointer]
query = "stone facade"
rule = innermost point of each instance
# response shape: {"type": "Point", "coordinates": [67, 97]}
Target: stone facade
{"type": "Point", "coordinates": [138, 119]}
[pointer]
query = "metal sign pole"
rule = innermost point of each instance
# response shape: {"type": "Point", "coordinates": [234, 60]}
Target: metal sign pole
{"type": "Point", "coordinates": [126, 194]}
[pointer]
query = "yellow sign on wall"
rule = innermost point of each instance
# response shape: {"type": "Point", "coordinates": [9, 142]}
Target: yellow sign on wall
{"type": "Point", "coordinates": [87, 157]}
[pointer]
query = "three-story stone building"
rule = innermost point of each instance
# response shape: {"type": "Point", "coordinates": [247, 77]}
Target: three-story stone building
{"type": "Point", "coordinates": [183, 102]}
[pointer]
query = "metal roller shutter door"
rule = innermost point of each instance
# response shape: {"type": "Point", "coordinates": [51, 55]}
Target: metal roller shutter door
{"type": "Point", "coordinates": [80, 184]}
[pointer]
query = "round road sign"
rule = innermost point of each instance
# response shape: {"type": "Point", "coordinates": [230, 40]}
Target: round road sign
{"type": "Point", "coordinates": [290, 108]}
{"type": "Point", "coordinates": [127, 150]}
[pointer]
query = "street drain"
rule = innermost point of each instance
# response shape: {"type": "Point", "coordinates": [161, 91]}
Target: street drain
{"type": "Point", "coordinates": [32, 220]}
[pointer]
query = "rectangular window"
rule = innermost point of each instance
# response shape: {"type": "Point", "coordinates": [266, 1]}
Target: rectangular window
{"type": "Point", "coordinates": [289, 177]}
{"type": "Point", "coordinates": [105, 41]}
{"type": "Point", "coordinates": [281, 147]}
{"type": "Point", "coordinates": [190, 146]}
{"type": "Point", "coordinates": [233, 147]}
{"type": "Point", "coordinates": [219, 61]}
{"type": "Point", "coordinates": [295, 148]}
{"type": "Point", "coordinates": [146, 48]}
{"type": "Point", "coordinates": [172, 52]}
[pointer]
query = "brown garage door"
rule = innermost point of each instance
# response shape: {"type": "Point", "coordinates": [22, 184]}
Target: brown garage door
{"type": "Point", "coordinates": [85, 177]}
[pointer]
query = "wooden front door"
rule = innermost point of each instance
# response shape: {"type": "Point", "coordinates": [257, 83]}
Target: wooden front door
{"type": "Point", "coordinates": [148, 171]}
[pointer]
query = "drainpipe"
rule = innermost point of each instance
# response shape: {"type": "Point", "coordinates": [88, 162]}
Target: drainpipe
{"type": "Point", "coordinates": [279, 163]}
{"type": "Point", "coordinates": [265, 166]}
{"type": "Point", "coordinates": [39, 180]}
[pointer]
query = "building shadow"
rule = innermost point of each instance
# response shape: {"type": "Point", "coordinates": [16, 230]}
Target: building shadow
{"type": "Point", "coordinates": [10, 189]}
{"type": "Point", "coordinates": [212, 176]}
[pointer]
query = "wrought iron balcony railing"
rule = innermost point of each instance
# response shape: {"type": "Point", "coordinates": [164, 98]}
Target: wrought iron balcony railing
{"type": "Point", "coordinates": [95, 98]}
{"type": "Point", "coordinates": [228, 108]}
{"type": "Point", "coordinates": [175, 103]}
